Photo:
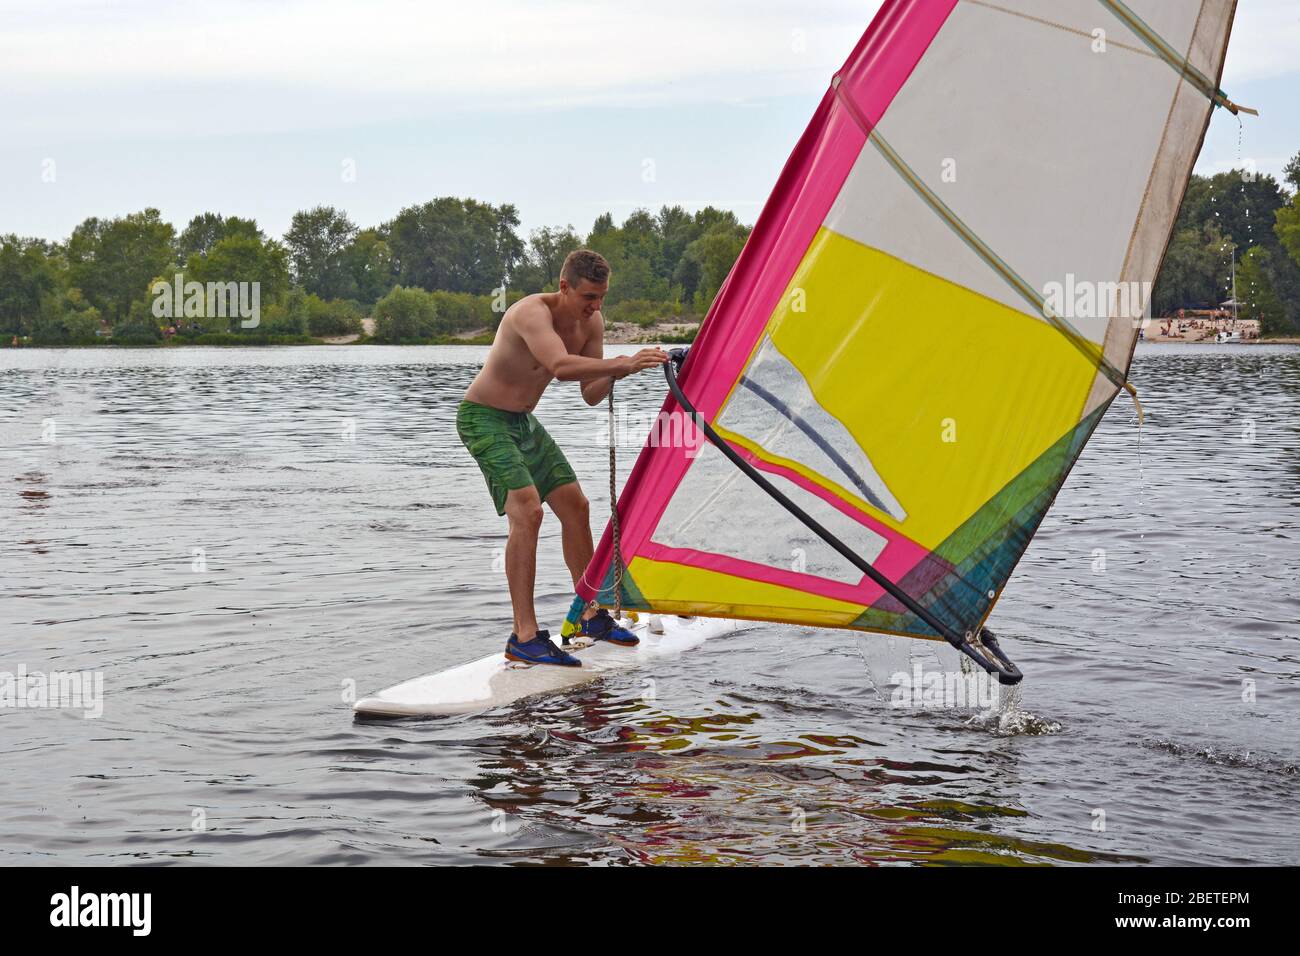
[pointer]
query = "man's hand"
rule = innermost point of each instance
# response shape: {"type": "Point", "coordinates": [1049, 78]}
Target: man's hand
{"type": "Point", "coordinates": [646, 358]}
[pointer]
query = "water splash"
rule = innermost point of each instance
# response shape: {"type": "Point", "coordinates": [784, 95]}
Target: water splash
{"type": "Point", "coordinates": [1007, 718]}
{"type": "Point", "coordinates": [1227, 757]}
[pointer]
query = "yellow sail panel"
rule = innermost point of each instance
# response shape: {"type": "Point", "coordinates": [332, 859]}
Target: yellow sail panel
{"type": "Point", "coordinates": [682, 589]}
{"type": "Point", "coordinates": [962, 405]}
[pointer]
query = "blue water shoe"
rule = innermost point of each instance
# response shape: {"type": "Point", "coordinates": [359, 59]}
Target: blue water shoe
{"type": "Point", "coordinates": [602, 627]}
{"type": "Point", "coordinates": [540, 650]}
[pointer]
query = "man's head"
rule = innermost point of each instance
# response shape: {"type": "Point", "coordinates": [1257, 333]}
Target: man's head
{"type": "Point", "coordinates": [584, 280]}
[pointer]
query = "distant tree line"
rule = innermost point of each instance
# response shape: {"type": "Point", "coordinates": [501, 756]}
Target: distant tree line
{"type": "Point", "coordinates": [443, 269]}
{"type": "Point", "coordinates": [1252, 218]}
{"type": "Point", "coordinates": [446, 269]}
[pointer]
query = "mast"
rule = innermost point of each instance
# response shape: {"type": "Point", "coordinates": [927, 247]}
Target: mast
{"type": "Point", "coordinates": [1234, 285]}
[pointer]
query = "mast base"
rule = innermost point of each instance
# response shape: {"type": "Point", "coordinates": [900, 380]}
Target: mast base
{"type": "Point", "coordinates": [983, 648]}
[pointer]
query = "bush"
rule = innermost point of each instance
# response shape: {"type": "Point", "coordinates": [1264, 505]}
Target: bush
{"type": "Point", "coordinates": [640, 311]}
{"type": "Point", "coordinates": [45, 327]}
{"type": "Point", "coordinates": [279, 320]}
{"type": "Point", "coordinates": [139, 327]}
{"type": "Point", "coordinates": [202, 325]}
{"type": "Point", "coordinates": [63, 319]}
{"type": "Point", "coordinates": [81, 326]}
{"type": "Point", "coordinates": [463, 312]}
{"type": "Point", "coordinates": [680, 338]}
{"type": "Point", "coordinates": [406, 315]}
{"type": "Point", "coordinates": [337, 317]}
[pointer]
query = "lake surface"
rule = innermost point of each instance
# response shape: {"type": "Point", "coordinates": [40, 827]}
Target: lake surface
{"type": "Point", "coordinates": [238, 539]}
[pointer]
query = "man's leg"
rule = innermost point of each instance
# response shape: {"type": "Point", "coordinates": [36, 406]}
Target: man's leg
{"type": "Point", "coordinates": [572, 508]}
{"type": "Point", "coordinates": [524, 510]}
{"type": "Point", "coordinates": [574, 511]}
{"type": "Point", "coordinates": [560, 489]}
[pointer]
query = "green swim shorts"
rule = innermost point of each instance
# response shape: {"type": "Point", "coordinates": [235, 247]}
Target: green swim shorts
{"type": "Point", "coordinates": [513, 450]}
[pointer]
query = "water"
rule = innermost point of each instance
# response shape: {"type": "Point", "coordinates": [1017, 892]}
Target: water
{"type": "Point", "coordinates": [235, 538]}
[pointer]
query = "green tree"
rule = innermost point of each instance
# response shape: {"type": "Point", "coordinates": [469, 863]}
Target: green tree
{"type": "Point", "coordinates": [641, 239]}
{"type": "Point", "coordinates": [1189, 278]}
{"type": "Point", "coordinates": [318, 241]}
{"type": "Point", "coordinates": [370, 265]}
{"type": "Point", "coordinates": [1240, 205]}
{"type": "Point", "coordinates": [633, 252]}
{"type": "Point", "coordinates": [45, 326]}
{"type": "Point", "coordinates": [547, 249]}
{"type": "Point", "coordinates": [27, 278]}
{"type": "Point", "coordinates": [687, 275]}
{"type": "Point", "coordinates": [642, 311]}
{"type": "Point", "coordinates": [1287, 228]}
{"type": "Point", "coordinates": [206, 230]}
{"type": "Point", "coordinates": [715, 252]}
{"type": "Point", "coordinates": [246, 259]}
{"type": "Point", "coordinates": [457, 245]}
{"type": "Point", "coordinates": [115, 261]}
{"type": "Point", "coordinates": [684, 260]}
{"type": "Point", "coordinates": [1218, 212]}
{"type": "Point", "coordinates": [677, 230]}
{"type": "Point", "coordinates": [65, 318]}
{"type": "Point", "coordinates": [1291, 173]}
{"type": "Point", "coordinates": [1282, 265]}
{"type": "Point", "coordinates": [1256, 295]}
{"type": "Point", "coordinates": [711, 217]}
{"type": "Point", "coordinates": [604, 223]}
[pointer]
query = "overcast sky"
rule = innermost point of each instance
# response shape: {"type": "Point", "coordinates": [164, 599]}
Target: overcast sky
{"type": "Point", "coordinates": [566, 108]}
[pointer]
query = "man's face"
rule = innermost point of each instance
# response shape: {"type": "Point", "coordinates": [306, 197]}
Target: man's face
{"type": "Point", "coordinates": [587, 297]}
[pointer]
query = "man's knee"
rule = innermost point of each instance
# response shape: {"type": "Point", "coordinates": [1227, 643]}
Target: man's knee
{"type": "Point", "coordinates": [524, 511]}
{"type": "Point", "coordinates": [577, 507]}
{"type": "Point", "coordinates": [569, 503]}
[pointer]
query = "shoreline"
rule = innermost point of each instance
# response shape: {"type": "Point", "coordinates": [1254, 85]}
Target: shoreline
{"type": "Point", "coordinates": [1210, 341]}
{"type": "Point", "coordinates": [617, 333]}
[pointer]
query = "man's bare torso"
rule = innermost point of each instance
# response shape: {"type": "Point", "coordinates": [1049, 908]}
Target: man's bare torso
{"type": "Point", "coordinates": [512, 379]}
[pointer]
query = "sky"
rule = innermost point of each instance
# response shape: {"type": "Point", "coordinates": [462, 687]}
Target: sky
{"type": "Point", "coordinates": [564, 108]}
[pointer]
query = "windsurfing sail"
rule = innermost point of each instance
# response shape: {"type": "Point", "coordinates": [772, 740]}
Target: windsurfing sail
{"type": "Point", "coordinates": [936, 306]}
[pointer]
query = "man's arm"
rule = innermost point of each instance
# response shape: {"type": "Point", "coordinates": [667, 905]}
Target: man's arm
{"type": "Point", "coordinates": [547, 347]}
{"type": "Point", "coordinates": [534, 325]}
{"type": "Point", "coordinates": [594, 390]}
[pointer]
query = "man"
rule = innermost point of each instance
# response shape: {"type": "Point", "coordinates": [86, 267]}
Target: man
{"type": "Point", "coordinates": [547, 336]}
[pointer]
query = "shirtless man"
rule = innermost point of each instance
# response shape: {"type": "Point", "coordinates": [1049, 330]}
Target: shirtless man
{"type": "Point", "coordinates": [547, 336]}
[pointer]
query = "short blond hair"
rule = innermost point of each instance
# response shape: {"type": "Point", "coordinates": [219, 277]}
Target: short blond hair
{"type": "Point", "coordinates": [585, 264]}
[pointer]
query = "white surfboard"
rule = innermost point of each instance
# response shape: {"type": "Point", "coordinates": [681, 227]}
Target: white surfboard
{"type": "Point", "coordinates": [493, 681]}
